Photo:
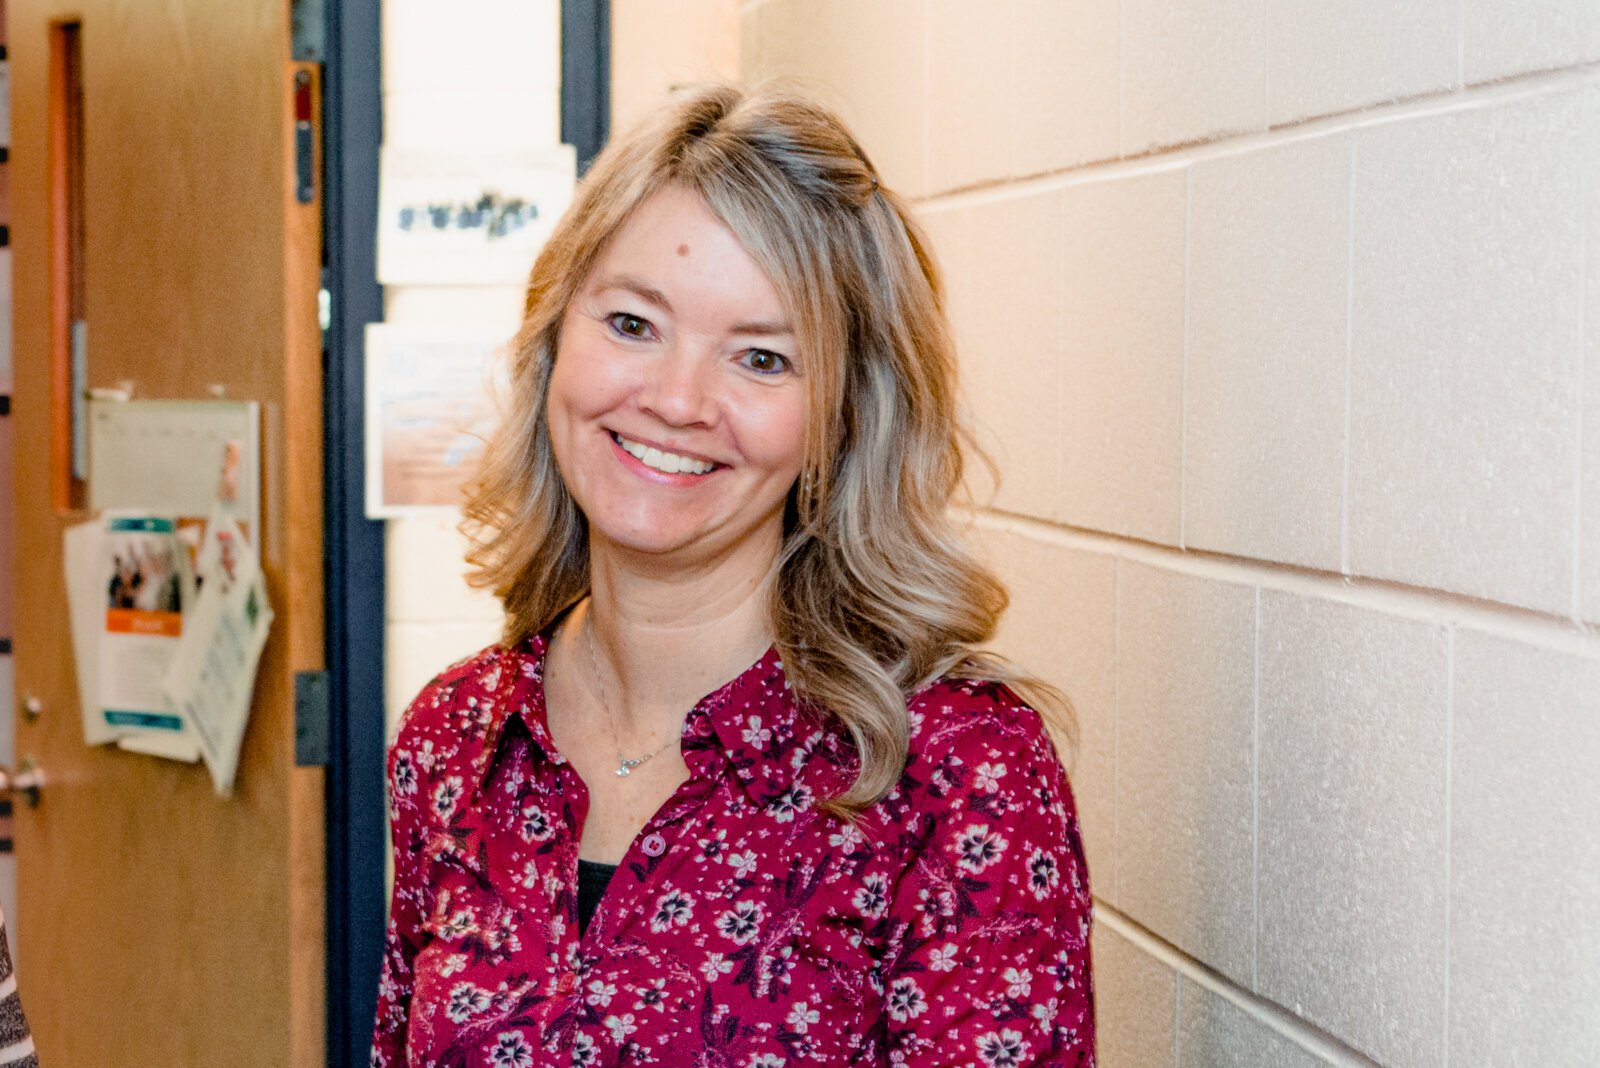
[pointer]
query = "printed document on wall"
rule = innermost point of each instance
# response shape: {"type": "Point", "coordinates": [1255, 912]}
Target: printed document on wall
{"type": "Point", "coordinates": [145, 585]}
{"type": "Point", "coordinates": [468, 218]}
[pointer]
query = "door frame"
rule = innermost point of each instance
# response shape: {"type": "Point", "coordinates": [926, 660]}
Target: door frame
{"type": "Point", "coordinates": [357, 835]}
{"type": "Point", "coordinates": [355, 904]}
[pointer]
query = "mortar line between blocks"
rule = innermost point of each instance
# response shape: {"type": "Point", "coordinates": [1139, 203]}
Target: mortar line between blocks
{"type": "Point", "coordinates": [927, 92]}
{"type": "Point", "coordinates": [1116, 726]}
{"type": "Point", "coordinates": [1449, 801]}
{"type": "Point", "coordinates": [1122, 78]}
{"type": "Point", "coordinates": [1585, 184]}
{"type": "Point", "coordinates": [1171, 157]}
{"type": "Point", "coordinates": [1183, 378]}
{"type": "Point", "coordinates": [1177, 1018]}
{"type": "Point", "coordinates": [1349, 356]}
{"type": "Point", "coordinates": [1255, 804]}
{"type": "Point", "coordinates": [1390, 597]}
{"type": "Point", "coordinates": [1263, 1011]}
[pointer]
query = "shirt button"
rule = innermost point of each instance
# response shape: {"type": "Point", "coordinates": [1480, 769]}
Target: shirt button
{"type": "Point", "coordinates": [654, 845]}
{"type": "Point", "coordinates": [568, 984]}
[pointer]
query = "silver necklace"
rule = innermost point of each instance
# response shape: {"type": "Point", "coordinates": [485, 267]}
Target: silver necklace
{"type": "Point", "coordinates": [624, 765]}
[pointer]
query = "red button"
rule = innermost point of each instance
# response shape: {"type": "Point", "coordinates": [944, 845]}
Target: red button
{"type": "Point", "coordinates": [654, 845]}
{"type": "Point", "coordinates": [568, 984]}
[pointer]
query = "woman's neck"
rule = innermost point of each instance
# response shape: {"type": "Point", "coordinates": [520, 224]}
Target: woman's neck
{"type": "Point", "coordinates": [665, 638]}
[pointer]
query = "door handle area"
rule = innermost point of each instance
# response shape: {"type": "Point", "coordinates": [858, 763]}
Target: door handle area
{"type": "Point", "coordinates": [26, 779]}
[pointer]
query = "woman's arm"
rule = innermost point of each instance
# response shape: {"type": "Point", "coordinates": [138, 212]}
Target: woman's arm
{"type": "Point", "coordinates": [408, 824]}
{"type": "Point", "coordinates": [993, 963]}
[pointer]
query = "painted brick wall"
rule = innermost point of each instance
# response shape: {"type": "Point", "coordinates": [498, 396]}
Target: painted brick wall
{"type": "Point", "coordinates": [1283, 321]}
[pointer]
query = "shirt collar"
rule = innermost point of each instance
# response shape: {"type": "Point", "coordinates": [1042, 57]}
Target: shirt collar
{"type": "Point", "coordinates": [753, 722]}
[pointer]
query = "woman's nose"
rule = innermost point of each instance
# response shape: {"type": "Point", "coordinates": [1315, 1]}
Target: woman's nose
{"type": "Point", "coordinates": [679, 387]}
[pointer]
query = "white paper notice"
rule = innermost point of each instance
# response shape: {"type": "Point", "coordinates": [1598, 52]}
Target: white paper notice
{"type": "Point", "coordinates": [146, 582]}
{"type": "Point", "coordinates": [86, 605]}
{"type": "Point", "coordinates": [212, 677]}
{"type": "Point", "coordinates": [468, 218]}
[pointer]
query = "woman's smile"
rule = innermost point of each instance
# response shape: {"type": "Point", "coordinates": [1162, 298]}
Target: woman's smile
{"type": "Point", "coordinates": [677, 408]}
{"type": "Point", "coordinates": [663, 461]}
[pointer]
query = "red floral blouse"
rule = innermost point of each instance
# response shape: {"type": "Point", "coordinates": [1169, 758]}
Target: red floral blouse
{"type": "Point", "coordinates": [744, 927]}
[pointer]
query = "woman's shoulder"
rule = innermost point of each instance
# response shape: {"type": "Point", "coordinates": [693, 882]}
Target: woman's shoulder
{"type": "Point", "coordinates": [471, 685]}
{"type": "Point", "coordinates": [978, 737]}
{"type": "Point", "coordinates": [963, 713]}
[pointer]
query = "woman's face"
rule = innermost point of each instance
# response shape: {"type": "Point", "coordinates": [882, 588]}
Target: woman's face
{"type": "Point", "coordinates": [677, 405]}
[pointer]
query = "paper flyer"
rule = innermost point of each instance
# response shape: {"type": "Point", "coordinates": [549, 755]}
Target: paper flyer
{"type": "Point", "coordinates": [86, 600]}
{"type": "Point", "coordinates": [212, 677]}
{"type": "Point", "coordinates": [146, 584]}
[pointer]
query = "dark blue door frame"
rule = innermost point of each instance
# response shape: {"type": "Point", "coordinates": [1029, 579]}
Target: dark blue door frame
{"type": "Point", "coordinates": [353, 544]}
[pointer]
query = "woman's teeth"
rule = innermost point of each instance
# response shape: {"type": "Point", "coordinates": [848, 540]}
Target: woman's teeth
{"type": "Point", "coordinates": [669, 462]}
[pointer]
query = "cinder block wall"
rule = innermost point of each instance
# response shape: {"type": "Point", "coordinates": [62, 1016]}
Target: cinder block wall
{"type": "Point", "coordinates": [1283, 321]}
{"type": "Point", "coordinates": [486, 79]}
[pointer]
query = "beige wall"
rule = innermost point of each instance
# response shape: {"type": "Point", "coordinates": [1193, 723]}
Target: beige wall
{"type": "Point", "coordinates": [448, 85]}
{"type": "Point", "coordinates": [1283, 321]}
{"type": "Point", "coordinates": [659, 44]}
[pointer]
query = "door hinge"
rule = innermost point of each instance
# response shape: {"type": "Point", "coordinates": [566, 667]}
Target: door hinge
{"type": "Point", "coordinates": [311, 719]}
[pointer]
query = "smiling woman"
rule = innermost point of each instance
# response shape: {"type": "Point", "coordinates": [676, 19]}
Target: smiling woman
{"type": "Point", "coordinates": [738, 787]}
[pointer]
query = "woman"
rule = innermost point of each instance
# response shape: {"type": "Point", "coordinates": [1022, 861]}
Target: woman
{"type": "Point", "coordinates": [738, 715]}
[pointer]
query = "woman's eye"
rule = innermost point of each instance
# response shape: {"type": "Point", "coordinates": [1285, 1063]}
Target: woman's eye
{"type": "Point", "coordinates": [629, 325]}
{"type": "Point", "coordinates": [767, 363]}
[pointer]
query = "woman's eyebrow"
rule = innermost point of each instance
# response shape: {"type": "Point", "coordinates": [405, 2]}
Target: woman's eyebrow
{"type": "Point", "coordinates": [761, 329]}
{"type": "Point", "coordinates": [639, 288]}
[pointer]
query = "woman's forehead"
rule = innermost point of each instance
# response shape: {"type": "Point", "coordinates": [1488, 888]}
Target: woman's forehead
{"type": "Point", "coordinates": [676, 255]}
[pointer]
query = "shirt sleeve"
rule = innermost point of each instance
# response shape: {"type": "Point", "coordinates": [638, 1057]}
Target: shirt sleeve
{"type": "Point", "coordinates": [408, 795]}
{"type": "Point", "coordinates": [993, 965]}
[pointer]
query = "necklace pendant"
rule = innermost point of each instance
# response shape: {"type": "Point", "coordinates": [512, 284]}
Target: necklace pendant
{"type": "Point", "coordinates": [626, 767]}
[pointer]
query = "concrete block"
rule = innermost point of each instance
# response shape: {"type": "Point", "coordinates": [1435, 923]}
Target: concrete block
{"type": "Point", "coordinates": [1215, 1033]}
{"type": "Point", "coordinates": [426, 574]}
{"type": "Point", "coordinates": [1134, 1004]}
{"type": "Point", "coordinates": [1192, 70]}
{"type": "Point", "coordinates": [1003, 268]}
{"type": "Point", "coordinates": [1062, 625]}
{"type": "Point", "coordinates": [471, 120]}
{"type": "Point", "coordinates": [1501, 38]}
{"type": "Point", "coordinates": [1019, 87]}
{"type": "Point", "coordinates": [1326, 58]}
{"type": "Point", "coordinates": [1185, 749]}
{"type": "Point", "coordinates": [1122, 368]}
{"type": "Point", "coordinates": [1269, 237]}
{"type": "Point", "coordinates": [514, 45]}
{"type": "Point", "coordinates": [866, 60]}
{"type": "Point", "coordinates": [656, 47]}
{"type": "Point", "coordinates": [1351, 863]}
{"type": "Point", "coordinates": [1464, 365]}
{"type": "Point", "coordinates": [476, 308]}
{"type": "Point", "coordinates": [1524, 857]}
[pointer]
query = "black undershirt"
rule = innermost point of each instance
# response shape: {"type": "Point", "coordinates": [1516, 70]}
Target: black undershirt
{"type": "Point", "coordinates": [592, 881]}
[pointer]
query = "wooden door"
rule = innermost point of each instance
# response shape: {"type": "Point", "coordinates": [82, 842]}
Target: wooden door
{"type": "Point", "coordinates": [158, 924]}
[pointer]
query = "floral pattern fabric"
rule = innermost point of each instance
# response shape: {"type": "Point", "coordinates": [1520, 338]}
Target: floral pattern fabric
{"type": "Point", "coordinates": [948, 925]}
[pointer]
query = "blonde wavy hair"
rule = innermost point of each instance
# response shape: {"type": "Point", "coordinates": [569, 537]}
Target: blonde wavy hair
{"type": "Point", "coordinates": [875, 595]}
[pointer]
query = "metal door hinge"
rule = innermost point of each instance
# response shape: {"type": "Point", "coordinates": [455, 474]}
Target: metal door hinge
{"type": "Point", "coordinates": [311, 719]}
